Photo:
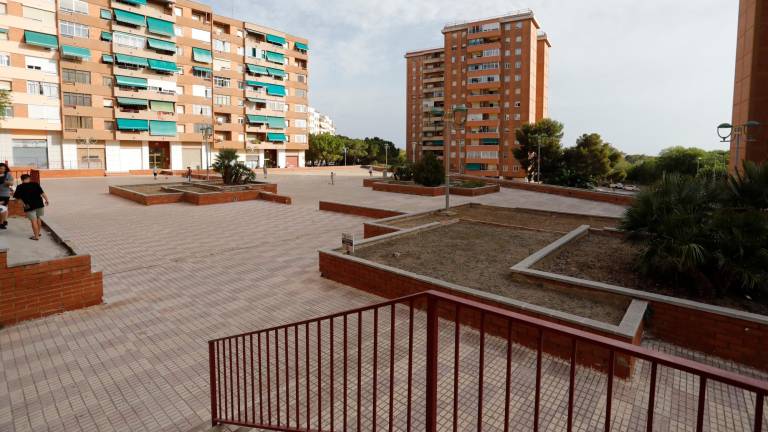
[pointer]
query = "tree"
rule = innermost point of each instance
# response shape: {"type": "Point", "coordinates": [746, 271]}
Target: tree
{"type": "Point", "coordinates": [548, 133]}
{"type": "Point", "coordinates": [681, 160]}
{"type": "Point", "coordinates": [589, 162]}
{"type": "Point", "coordinates": [325, 148]}
{"type": "Point", "coordinates": [642, 170]}
{"type": "Point", "coordinates": [232, 170]}
{"type": "Point", "coordinates": [428, 171]}
{"type": "Point", "coordinates": [5, 102]}
{"type": "Point", "coordinates": [356, 150]}
{"type": "Point", "coordinates": [380, 150]}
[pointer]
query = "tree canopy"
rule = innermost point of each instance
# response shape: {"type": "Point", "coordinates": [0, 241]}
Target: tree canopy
{"type": "Point", "coordinates": [548, 133]}
{"type": "Point", "coordinates": [327, 148]}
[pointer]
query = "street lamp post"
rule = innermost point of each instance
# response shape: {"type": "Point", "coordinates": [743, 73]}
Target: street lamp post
{"type": "Point", "coordinates": [345, 156]}
{"type": "Point", "coordinates": [728, 132]}
{"type": "Point", "coordinates": [207, 131]}
{"type": "Point", "coordinates": [457, 109]}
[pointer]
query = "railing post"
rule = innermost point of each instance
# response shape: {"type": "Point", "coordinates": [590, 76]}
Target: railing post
{"type": "Point", "coordinates": [212, 369]}
{"type": "Point", "coordinates": [431, 373]}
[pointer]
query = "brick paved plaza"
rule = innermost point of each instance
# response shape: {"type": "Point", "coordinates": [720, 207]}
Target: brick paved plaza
{"type": "Point", "coordinates": [177, 275]}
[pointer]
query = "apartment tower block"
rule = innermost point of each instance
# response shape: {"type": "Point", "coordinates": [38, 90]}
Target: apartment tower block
{"type": "Point", "coordinates": [131, 85]}
{"type": "Point", "coordinates": [497, 68]}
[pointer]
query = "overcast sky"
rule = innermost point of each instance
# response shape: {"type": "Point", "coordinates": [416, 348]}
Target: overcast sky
{"type": "Point", "coordinates": [644, 74]}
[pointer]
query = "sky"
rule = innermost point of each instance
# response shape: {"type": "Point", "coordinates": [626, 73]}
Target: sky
{"type": "Point", "coordinates": [645, 74]}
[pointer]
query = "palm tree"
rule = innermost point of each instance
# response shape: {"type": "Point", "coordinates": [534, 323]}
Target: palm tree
{"type": "Point", "coordinates": [232, 170]}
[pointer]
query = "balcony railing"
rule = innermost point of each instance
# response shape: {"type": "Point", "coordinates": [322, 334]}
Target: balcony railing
{"type": "Point", "coordinates": [434, 361]}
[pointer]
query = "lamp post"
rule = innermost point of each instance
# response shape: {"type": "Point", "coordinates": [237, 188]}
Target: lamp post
{"type": "Point", "coordinates": [207, 132]}
{"type": "Point", "coordinates": [345, 156]}
{"type": "Point", "coordinates": [728, 133]}
{"type": "Point", "coordinates": [457, 110]}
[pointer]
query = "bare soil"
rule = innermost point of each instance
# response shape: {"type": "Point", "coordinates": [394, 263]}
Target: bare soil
{"type": "Point", "coordinates": [612, 260]}
{"type": "Point", "coordinates": [511, 216]}
{"type": "Point", "coordinates": [150, 189]}
{"type": "Point", "coordinates": [194, 189]}
{"type": "Point", "coordinates": [479, 256]}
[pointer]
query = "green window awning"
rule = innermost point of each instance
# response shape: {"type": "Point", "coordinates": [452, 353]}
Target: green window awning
{"type": "Point", "coordinates": [161, 45]}
{"type": "Point", "coordinates": [279, 40]}
{"type": "Point", "coordinates": [106, 36]}
{"type": "Point", "coordinates": [301, 46]}
{"type": "Point", "coordinates": [275, 90]}
{"type": "Point", "coordinates": [276, 72]}
{"type": "Point", "coordinates": [127, 81]}
{"type": "Point", "coordinates": [132, 124]}
{"type": "Point", "coordinates": [132, 102]}
{"type": "Point", "coordinates": [130, 18]}
{"type": "Point", "coordinates": [41, 39]}
{"type": "Point", "coordinates": [275, 137]}
{"type": "Point", "coordinates": [162, 106]}
{"type": "Point", "coordinates": [106, 14]}
{"type": "Point", "coordinates": [484, 141]}
{"type": "Point", "coordinates": [275, 57]}
{"type": "Point", "coordinates": [162, 65]}
{"type": "Point", "coordinates": [161, 27]}
{"type": "Point", "coordinates": [202, 69]}
{"type": "Point", "coordinates": [201, 55]}
{"type": "Point", "coordinates": [162, 128]}
{"type": "Point", "coordinates": [131, 60]}
{"type": "Point", "coordinates": [75, 52]}
{"type": "Point", "coordinates": [276, 122]}
{"type": "Point", "coordinates": [106, 58]}
{"type": "Point", "coordinates": [134, 2]}
{"type": "Point", "coordinates": [255, 84]}
{"type": "Point", "coordinates": [256, 100]}
{"type": "Point", "coordinates": [256, 69]}
{"type": "Point", "coordinates": [255, 119]}
{"type": "Point", "coordinates": [473, 167]}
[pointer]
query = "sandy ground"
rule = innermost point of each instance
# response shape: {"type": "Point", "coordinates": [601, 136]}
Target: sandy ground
{"type": "Point", "coordinates": [479, 256]}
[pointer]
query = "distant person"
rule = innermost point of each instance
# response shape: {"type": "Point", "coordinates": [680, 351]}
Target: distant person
{"type": "Point", "coordinates": [34, 200]}
{"type": "Point", "coordinates": [370, 170]}
{"type": "Point", "coordinates": [154, 173]}
{"type": "Point", "coordinates": [6, 189]}
{"type": "Point", "coordinates": [189, 174]}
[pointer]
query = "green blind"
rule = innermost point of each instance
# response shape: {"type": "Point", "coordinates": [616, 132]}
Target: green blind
{"type": "Point", "coordinates": [473, 166]}
{"type": "Point", "coordinates": [161, 45]}
{"type": "Point", "coordinates": [276, 72]}
{"type": "Point", "coordinates": [41, 39]}
{"type": "Point", "coordinates": [162, 106]}
{"type": "Point", "coordinates": [276, 122]}
{"type": "Point", "coordinates": [106, 14]}
{"type": "Point", "coordinates": [301, 46]}
{"type": "Point", "coordinates": [256, 118]}
{"type": "Point", "coordinates": [275, 137]}
{"type": "Point", "coordinates": [106, 58]}
{"type": "Point", "coordinates": [127, 81]}
{"type": "Point", "coordinates": [201, 69]}
{"type": "Point", "coordinates": [256, 69]}
{"type": "Point", "coordinates": [275, 90]}
{"type": "Point", "coordinates": [201, 55]}
{"type": "Point", "coordinates": [134, 2]}
{"type": "Point", "coordinates": [132, 124]}
{"type": "Point", "coordinates": [132, 102]}
{"type": "Point", "coordinates": [276, 39]}
{"type": "Point", "coordinates": [162, 65]}
{"type": "Point", "coordinates": [75, 52]}
{"type": "Point", "coordinates": [161, 27]}
{"type": "Point", "coordinates": [131, 60]}
{"type": "Point", "coordinates": [489, 141]}
{"type": "Point", "coordinates": [130, 18]}
{"type": "Point", "coordinates": [162, 128]}
{"type": "Point", "coordinates": [275, 57]}
{"type": "Point", "coordinates": [106, 36]}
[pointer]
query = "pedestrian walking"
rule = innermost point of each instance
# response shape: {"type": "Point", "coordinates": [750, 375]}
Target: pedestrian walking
{"type": "Point", "coordinates": [154, 173]}
{"type": "Point", "coordinates": [34, 200]}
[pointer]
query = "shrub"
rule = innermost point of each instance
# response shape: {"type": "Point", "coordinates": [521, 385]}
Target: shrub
{"type": "Point", "coordinates": [705, 236]}
{"type": "Point", "coordinates": [233, 171]}
{"type": "Point", "coordinates": [428, 171]}
{"type": "Point", "coordinates": [471, 184]}
{"type": "Point", "coordinates": [403, 172]}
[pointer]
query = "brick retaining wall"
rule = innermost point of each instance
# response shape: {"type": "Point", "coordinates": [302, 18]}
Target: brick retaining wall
{"type": "Point", "coordinates": [355, 210]}
{"type": "Point", "coordinates": [36, 290]}
{"type": "Point", "coordinates": [410, 189]}
{"type": "Point", "coordinates": [390, 285]}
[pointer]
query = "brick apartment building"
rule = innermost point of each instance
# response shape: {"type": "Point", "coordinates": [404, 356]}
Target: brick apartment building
{"type": "Point", "coordinates": [750, 93]}
{"type": "Point", "coordinates": [127, 85]}
{"type": "Point", "coordinates": [495, 67]}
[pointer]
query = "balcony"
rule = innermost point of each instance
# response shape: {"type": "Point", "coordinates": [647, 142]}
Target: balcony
{"type": "Point", "coordinates": [484, 46]}
{"type": "Point", "coordinates": [493, 97]}
{"type": "Point", "coordinates": [166, 14]}
{"type": "Point", "coordinates": [484, 85]}
{"type": "Point", "coordinates": [433, 80]}
{"type": "Point", "coordinates": [432, 60]}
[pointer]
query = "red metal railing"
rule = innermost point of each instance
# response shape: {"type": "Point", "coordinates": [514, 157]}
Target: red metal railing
{"type": "Point", "coordinates": [393, 366]}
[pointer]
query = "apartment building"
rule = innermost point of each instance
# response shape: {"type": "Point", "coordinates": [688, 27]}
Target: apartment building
{"type": "Point", "coordinates": [320, 123]}
{"type": "Point", "coordinates": [497, 68]}
{"type": "Point", "coordinates": [127, 85]}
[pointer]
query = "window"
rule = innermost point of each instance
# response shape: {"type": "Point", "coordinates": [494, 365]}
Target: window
{"type": "Point", "coordinates": [300, 108]}
{"type": "Point", "coordinates": [178, 31]}
{"type": "Point", "coordinates": [179, 109]}
{"type": "Point", "coordinates": [239, 33]}
{"type": "Point", "coordinates": [3, 9]}
{"type": "Point", "coordinates": [129, 40]}
{"type": "Point", "coordinates": [517, 104]}
{"type": "Point", "coordinates": [240, 51]}
{"type": "Point", "coordinates": [178, 11]}
{"type": "Point", "coordinates": [300, 138]}
{"type": "Point", "coordinates": [180, 128]}
{"type": "Point", "coordinates": [201, 91]}
{"type": "Point", "coordinates": [105, 14]}
{"type": "Point", "coordinates": [46, 17]}
{"type": "Point", "coordinates": [518, 39]}
{"type": "Point", "coordinates": [518, 64]}
{"type": "Point", "coordinates": [5, 85]}
{"type": "Point", "coordinates": [43, 112]}
{"type": "Point", "coordinates": [518, 77]}
{"type": "Point", "coordinates": [50, 90]}
{"type": "Point", "coordinates": [221, 82]}
{"type": "Point", "coordinates": [108, 103]}
{"type": "Point", "coordinates": [201, 73]}
{"type": "Point", "coordinates": [222, 100]}
{"type": "Point", "coordinates": [301, 78]}
{"type": "Point", "coordinates": [73, 76]}
{"type": "Point", "coordinates": [41, 64]}
{"type": "Point", "coordinates": [71, 29]}
{"type": "Point", "coordinates": [518, 51]}
{"type": "Point", "coordinates": [220, 46]}
{"type": "Point", "coordinates": [517, 117]}
{"type": "Point", "coordinates": [109, 125]}
{"type": "Point", "coordinates": [77, 6]}
{"type": "Point", "coordinates": [78, 122]}
{"type": "Point", "coordinates": [77, 99]}
{"type": "Point", "coordinates": [219, 64]}
{"type": "Point", "coordinates": [204, 110]}
{"type": "Point", "coordinates": [519, 25]}
{"type": "Point", "coordinates": [5, 59]}
{"type": "Point", "coordinates": [277, 106]}
{"type": "Point", "coordinates": [107, 81]}
{"type": "Point", "coordinates": [179, 90]}
{"type": "Point", "coordinates": [200, 127]}
{"type": "Point", "coordinates": [8, 112]}
{"type": "Point", "coordinates": [201, 35]}
{"type": "Point", "coordinates": [300, 123]}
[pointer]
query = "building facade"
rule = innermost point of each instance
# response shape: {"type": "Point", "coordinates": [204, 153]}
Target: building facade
{"type": "Point", "coordinates": [320, 123]}
{"type": "Point", "coordinates": [127, 85]}
{"type": "Point", "coordinates": [750, 93]}
{"type": "Point", "coordinates": [497, 68]}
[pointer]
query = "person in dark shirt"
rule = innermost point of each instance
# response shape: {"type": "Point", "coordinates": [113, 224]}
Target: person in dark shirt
{"type": "Point", "coordinates": [34, 200]}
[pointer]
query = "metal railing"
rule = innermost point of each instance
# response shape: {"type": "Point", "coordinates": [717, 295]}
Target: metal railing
{"type": "Point", "coordinates": [382, 367]}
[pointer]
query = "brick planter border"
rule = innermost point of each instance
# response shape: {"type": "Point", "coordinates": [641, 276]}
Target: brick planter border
{"type": "Point", "coordinates": [355, 210]}
{"type": "Point", "coordinates": [724, 332]}
{"type": "Point", "coordinates": [266, 193]}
